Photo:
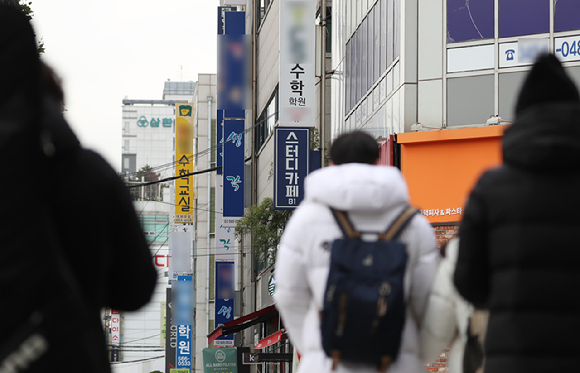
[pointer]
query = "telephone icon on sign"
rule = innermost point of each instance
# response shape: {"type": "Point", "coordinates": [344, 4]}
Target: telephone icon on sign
{"type": "Point", "coordinates": [510, 54]}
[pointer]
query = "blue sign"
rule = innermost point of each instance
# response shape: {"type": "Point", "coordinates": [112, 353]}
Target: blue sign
{"type": "Point", "coordinates": [233, 167]}
{"type": "Point", "coordinates": [224, 298]}
{"type": "Point", "coordinates": [183, 302]}
{"type": "Point", "coordinates": [291, 162]}
{"type": "Point", "coordinates": [232, 74]}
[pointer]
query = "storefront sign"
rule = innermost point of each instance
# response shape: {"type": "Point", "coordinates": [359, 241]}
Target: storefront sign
{"type": "Point", "coordinates": [291, 163]}
{"type": "Point", "coordinates": [183, 303]}
{"type": "Point", "coordinates": [297, 55]}
{"type": "Point", "coordinates": [220, 360]}
{"type": "Point", "coordinates": [225, 240]}
{"type": "Point", "coordinates": [441, 167]}
{"type": "Point", "coordinates": [115, 327]}
{"type": "Point", "coordinates": [154, 122]}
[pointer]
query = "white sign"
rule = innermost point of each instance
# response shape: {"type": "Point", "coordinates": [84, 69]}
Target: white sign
{"type": "Point", "coordinates": [522, 52]}
{"type": "Point", "coordinates": [297, 63]}
{"type": "Point", "coordinates": [470, 58]}
{"type": "Point", "coordinates": [442, 212]}
{"type": "Point", "coordinates": [115, 327]}
{"type": "Point", "coordinates": [568, 48]}
{"type": "Point", "coordinates": [230, 222]}
{"type": "Point", "coordinates": [224, 343]}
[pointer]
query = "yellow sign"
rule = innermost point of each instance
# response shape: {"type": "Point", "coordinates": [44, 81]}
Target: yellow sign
{"type": "Point", "coordinates": [184, 193]}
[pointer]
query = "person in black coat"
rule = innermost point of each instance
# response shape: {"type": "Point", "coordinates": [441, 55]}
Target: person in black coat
{"type": "Point", "coordinates": [518, 253]}
{"type": "Point", "coordinates": [72, 243]}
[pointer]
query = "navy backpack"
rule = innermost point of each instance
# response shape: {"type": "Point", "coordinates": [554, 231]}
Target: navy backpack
{"type": "Point", "coordinates": [364, 305]}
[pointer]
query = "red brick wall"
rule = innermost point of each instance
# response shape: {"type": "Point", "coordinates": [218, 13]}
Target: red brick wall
{"type": "Point", "coordinates": [443, 233]}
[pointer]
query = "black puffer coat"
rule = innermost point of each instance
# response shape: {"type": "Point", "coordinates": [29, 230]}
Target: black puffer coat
{"type": "Point", "coordinates": [519, 248]}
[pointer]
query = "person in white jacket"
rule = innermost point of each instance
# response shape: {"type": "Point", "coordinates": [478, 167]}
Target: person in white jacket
{"type": "Point", "coordinates": [373, 196]}
{"type": "Point", "coordinates": [448, 314]}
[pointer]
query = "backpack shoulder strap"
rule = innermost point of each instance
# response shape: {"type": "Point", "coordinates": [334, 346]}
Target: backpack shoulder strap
{"type": "Point", "coordinates": [345, 224]}
{"type": "Point", "coordinates": [398, 224]}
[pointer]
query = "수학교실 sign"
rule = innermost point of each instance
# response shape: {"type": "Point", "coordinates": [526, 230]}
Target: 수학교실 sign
{"type": "Point", "coordinates": [220, 360]}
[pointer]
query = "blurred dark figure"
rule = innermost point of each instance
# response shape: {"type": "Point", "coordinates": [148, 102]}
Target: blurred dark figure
{"type": "Point", "coordinates": [72, 242]}
{"type": "Point", "coordinates": [518, 252]}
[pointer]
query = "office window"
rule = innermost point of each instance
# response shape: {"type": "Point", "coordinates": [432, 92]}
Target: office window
{"type": "Point", "coordinates": [363, 31]}
{"type": "Point", "coordinates": [524, 17]}
{"type": "Point", "coordinates": [469, 20]}
{"type": "Point", "coordinates": [377, 41]}
{"type": "Point", "coordinates": [383, 36]}
{"type": "Point", "coordinates": [348, 76]}
{"type": "Point", "coordinates": [370, 49]}
{"type": "Point", "coordinates": [566, 15]}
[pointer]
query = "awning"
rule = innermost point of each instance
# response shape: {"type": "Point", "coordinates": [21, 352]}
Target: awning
{"type": "Point", "coordinates": [241, 323]}
{"type": "Point", "coordinates": [271, 339]}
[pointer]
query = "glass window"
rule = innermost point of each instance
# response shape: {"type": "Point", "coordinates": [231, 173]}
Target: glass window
{"type": "Point", "coordinates": [397, 29]}
{"type": "Point", "coordinates": [566, 17]}
{"type": "Point", "coordinates": [469, 20]}
{"type": "Point", "coordinates": [389, 32]}
{"type": "Point", "coordinates": [370, 49]}
{"type": "Point", "coordinates": [523, 17]}
{"type": "Point", "coordinates": [358, 57]}
{"type": "Point", "coordinates": [363, 30]}
{"type": "Point", "coordinates": [377, 41]}
{"type": "Point", "coordinates": [383, 36]}
{"type": "Point", "coordinates": [347, 77]}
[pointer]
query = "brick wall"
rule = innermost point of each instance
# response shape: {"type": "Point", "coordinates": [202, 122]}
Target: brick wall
{"type": "Point", "coordinates": [443, 233]}
{"type": "Point", "coordinates": [440, 365]}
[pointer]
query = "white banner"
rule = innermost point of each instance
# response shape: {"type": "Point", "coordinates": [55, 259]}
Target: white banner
{"type": "Point", "coordinates": [297, 63]}
{"type": "Point", "coordinates": [225, 241]}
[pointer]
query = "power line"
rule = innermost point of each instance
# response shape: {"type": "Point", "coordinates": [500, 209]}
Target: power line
{"type": "Point", "coordinates": [175, 177]}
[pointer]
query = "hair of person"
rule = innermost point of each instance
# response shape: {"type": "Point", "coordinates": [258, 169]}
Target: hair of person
{"type": "Point", "coordinates": [52, 83]}
{"type": "Point", "coordinates": [354, 147]}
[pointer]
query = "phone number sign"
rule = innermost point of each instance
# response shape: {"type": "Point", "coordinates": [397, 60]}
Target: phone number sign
{"type": "Point", "coordinates": [291, 153]}
{"type": "Point", "coordinates": [568, 48]}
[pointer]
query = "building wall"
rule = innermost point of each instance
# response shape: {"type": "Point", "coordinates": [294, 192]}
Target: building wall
{"type": "Point", "coordinates": [206, 91]}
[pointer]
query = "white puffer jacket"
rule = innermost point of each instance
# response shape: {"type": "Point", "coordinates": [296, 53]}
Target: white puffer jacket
{"type": "Point", "coordinates": [447, 315]}
{"type": "Point", "coordinates": [373, 196]}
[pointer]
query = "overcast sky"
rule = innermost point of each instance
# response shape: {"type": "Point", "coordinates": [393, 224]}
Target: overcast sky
{"type": "Point", "coordinates": [108, 49]}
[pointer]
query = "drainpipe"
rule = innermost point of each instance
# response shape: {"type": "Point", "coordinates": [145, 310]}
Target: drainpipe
{"type": "Point", "coordinates": [209, 101]}
{"type": "Point", "coordinates": [323, 31]}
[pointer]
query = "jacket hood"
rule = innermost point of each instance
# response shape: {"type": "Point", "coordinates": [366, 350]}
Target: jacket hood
{"type": "Point", "coordinates": [545, 138]}
{"type": "Point", "coordinates": [356, 186]}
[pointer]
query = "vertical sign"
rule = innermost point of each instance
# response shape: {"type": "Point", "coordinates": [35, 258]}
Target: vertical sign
{"type": "Point", "coordinates": [297, 63]}
{"type": "Point", "coordinates": [170, 333]}
{"type": "Point", "coordinates": [232, 87]}
{"type": "Point", "coordinates": [180, 250]}
{"type": "Point", "coordinates": [225, 249]}
{"type": "Point", "coordinates": [115, 327]}
{"type": "Point", "coordinates": [291, 152]}
{"type": "Point", "coordinates": [224, 299]}
{"type": "Point", "coordinates": [183, 318]}
{"type": "Point", "coordinates": [233, 168]}
{"type": "Point", "coordinates": [184, 163]}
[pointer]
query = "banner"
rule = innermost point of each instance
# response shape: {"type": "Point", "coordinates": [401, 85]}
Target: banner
{"type": "Point", "coordinates": [220, 360]}
{"type": "Point", "coordinates": [180, 251]}
{"type": "Point", "coordinates": [184, 163]}
{"type": "Point", "coordinates": [183, 303]}
{"type": "Point", "coordinates": [291, 164]}
{"type": "Point", "coordinates": [225, 241]}
{"type": "Point", "coordinates": [233, 168]}
{"type": "Point", "coordinates": [224, 299]}
{"type": "Point", "coordinates": [170, 334]}
{"type": "Point", "coordinates": [297, 63]}
{"type": "Point", "coordinates": [232, 77]}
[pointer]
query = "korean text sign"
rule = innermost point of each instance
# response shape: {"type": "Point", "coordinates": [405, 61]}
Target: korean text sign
{"type": "Point", "coordinates": [224, 299]}
{"type": "Point", "coordinates": [233, 167]}
{"type": "Point", "coordinates": [183, 316]}
{"type": "Point", "coordinates": [220, 360]}
{"type": "Point", "coordinates": [297, 63]}
{"type": "Point", "coordinates": [291, 152]}
{"type": "Point", "coordinates": [184, 163]}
